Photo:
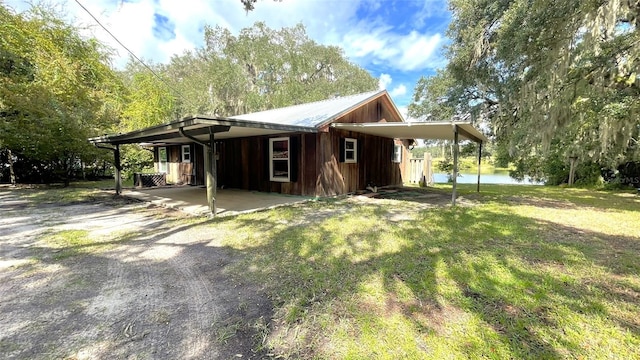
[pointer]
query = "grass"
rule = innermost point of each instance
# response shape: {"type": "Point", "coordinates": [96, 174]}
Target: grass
{"type": "Point", "coordinates": [67, 243]}
{"type": "Point", "coordinates": [530, 272]}
{"type": "Point", "coordinates": [80, 191]}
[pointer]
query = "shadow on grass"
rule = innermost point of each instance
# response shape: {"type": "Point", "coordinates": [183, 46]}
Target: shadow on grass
{"type": "Point", "coordinates": [331, 264]}
{"type": "Point", "coordinates": [556, 197]}
{"type": "Point", "coordinates": [512, 272]}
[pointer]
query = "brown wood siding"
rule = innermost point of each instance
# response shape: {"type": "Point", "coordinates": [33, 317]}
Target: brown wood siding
{"type": "Point", "coordinates": [406, 155]}
{"type": "Point", "coordinates": [198, 162]}
{"type": "Point", "coordinates": [186, 169]}
{"type": "Point", "coordinates": [244, 165]}
{"type": "Point", "coordinates": [243, 162]}
{"type": "Point", "coordinates": [374, 165]}
{"type": "Point", "coordinates": [178, 172]}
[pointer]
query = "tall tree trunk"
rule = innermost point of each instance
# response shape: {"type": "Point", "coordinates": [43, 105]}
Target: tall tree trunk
{"type": "Point", "coordinates": [12, 174]}
{"type": "Point", "coordinates": [572, 169]}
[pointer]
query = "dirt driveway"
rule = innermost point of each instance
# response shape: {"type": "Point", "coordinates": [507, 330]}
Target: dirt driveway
{"type": "Point", "coordinates": [154, 287]}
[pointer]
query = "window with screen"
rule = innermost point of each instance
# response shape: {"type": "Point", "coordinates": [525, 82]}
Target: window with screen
{"type": "Point", "coordinates": [350, 150]}
{"type": "Point", "coordinates": [279, 159]}
{"type": "Point", "coordinates": [397, 153]}
{"type": "Point", "coordinates": [186, 153]}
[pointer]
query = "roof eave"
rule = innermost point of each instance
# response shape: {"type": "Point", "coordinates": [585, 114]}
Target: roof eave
{"type": "Point", "coordinates": [479, 137]}
{"type": "Point", "coordinates": [158, 130]}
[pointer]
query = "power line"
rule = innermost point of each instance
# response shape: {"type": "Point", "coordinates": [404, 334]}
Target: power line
{"type": "Point", "coordinates": [131, 52]}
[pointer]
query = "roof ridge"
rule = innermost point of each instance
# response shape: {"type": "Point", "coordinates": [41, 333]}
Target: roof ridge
{"type": "Point", "coordinates": [315, 102]}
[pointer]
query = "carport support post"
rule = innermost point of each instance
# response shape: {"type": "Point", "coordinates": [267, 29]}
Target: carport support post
{"type": "Point", "coordinates": [479, 162]}
{"type": "Point", "coordinates": [210, 166]}
{"type": "Point", "coordinates": [455, 164]}
{"type": "Point", "coordinates": [118, 174]}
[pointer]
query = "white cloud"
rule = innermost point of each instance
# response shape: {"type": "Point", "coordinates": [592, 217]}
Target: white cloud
{"type": "Point", "coordinates": [384, 81]}
{"type": "Point", "coordinates": [408, 52]}
{"type": "Point", "coordinates": [429, 9]}
{"type": "Point", "coordinates": [367, 42]}
{"type": "Point", "coordinates": [399, 90]}
{"type": "Point", "coordinates": [417, 50]}
{"type": "Point", "coordinates": [132, 22]}
{"type": "Point", "coordinates": [404, 110]}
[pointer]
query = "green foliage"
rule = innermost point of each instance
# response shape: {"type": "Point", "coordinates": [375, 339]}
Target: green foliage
{"type": "Point", "coordinates": [56, 90]}
{"type": "Point", "coordinates": [149, 101]}
{"type": "Point", "coordinates": [261, 68]}
{"type": "Point", "coordinates": [135, 159]}
{"type": "Point", "coordinates": [556, 79]}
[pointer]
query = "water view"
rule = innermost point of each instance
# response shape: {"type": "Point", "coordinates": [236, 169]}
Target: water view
{"type": "Point", "coordinates": [497, 177]}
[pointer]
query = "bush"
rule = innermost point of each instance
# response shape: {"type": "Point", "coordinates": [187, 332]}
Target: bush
{"type": "Point", "coordinates": [135, 159]}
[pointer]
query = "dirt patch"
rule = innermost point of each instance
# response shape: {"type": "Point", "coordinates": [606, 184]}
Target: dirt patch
{"type": "Point", "coordinates": [401, 199]}
{"type": "Point", "coordinates": [154, 287]}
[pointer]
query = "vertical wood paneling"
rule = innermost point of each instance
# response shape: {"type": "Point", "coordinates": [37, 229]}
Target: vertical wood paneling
{"type": "Point", "coordinates": [307, 164]}
{"type": "Point", "coordinates": [199, 164]}
{"type": "Point", "coordinates": [243, 162]}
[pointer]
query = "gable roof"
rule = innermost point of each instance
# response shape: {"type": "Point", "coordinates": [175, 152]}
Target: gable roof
{"type": "Point", "coordinates": [309, 117]}
{"type": "Point", "coordinates": [315, 114]}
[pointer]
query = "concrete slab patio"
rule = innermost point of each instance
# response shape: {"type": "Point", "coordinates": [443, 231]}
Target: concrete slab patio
{"type": "Point", "coordinates": [193, 199]}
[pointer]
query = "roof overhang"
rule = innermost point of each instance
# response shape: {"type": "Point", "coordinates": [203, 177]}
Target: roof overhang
{"type": "Point", "coordinates": [417, 130]}
{"type": "Point", "coordinates": [199, 127]}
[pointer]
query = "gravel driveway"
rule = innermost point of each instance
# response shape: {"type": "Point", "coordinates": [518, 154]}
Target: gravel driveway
{"type": "Point", "coordinates": [154, 287]}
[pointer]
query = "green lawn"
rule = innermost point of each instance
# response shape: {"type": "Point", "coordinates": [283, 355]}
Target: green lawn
{"type": "Point", "coordinates": [524, 272]}
{"type": "Point", "coordinates": [529, 272]}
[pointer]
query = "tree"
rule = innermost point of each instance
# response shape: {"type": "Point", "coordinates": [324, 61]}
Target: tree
{"type": "Point", "coordinates": [554, 77]}
{"type": "Point", "coordinates": [149, 100]}
{"type": "Point", "coordinates": [56, 89]}
{"type": "Point", "coordinates": [261, 68]}
{"type": "Point", "coordinates": [249, 5]}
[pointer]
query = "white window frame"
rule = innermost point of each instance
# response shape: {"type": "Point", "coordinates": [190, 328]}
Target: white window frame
{"type": "Point", "coordinates": [272, 176]}
{"type": "Point", "coordinates": [397, 153]}
{"type": "Point", "coordinates": [354, 150]}
{"type": "Point", "coordinates": [186, 156]}
{"type": "Point", "coordinates": [163, 169]}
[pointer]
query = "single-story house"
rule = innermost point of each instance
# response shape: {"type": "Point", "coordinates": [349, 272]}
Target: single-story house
{"type": "Point", "coordinates": [323, 148]}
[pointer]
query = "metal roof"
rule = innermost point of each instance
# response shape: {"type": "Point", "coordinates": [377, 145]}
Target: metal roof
{"type": "Point", "coordinates": [307, 118]}
{"type": "Point", "coordinates": [298, 118]}
{"type": "Point", "coordinates": [313, 114]}
{"type": "Point", "coordinates": [416, 130]}
{"type": "Point", "coordinates": [198, 127]}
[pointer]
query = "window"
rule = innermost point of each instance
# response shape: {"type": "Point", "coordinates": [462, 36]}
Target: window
{"type": "Point", "coordinates": [162, 159]}
{"type": "Point", "coordinates": [397, 153]}
{"type": "Point", "coordinates": [350, 150]}
{"type": "Point", "coordinates": [186, 153]}
{"type": "Point", "coordinates": [279, 159]}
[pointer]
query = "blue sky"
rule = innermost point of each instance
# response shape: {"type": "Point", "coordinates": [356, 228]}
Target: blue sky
{"type": "Point", "coordinates": [396, 41]}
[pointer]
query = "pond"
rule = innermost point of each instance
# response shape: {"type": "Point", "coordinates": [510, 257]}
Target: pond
{"type": "Point", "coordinates": [497, 177]}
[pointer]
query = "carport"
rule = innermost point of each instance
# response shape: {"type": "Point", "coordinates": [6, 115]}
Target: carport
{"type": "Point", "coordinates": [205, 130]}
{"type": "Point", "coordinates": [193, 199]}
{"type": "Point", "coordinates": [202, 130]}
{"type": "Point", "coordinates": [454, 131]}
